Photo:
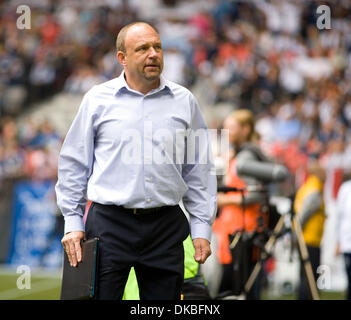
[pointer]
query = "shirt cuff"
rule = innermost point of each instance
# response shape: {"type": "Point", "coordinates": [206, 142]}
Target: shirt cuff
{"type": "Point", "coordinates": [201, 230]}
{"type": "Point", "coordinates": [74, 223]}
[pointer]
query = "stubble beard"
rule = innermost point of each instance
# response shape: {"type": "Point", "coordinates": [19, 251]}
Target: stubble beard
{"type": "Point", "coordinates": [154, 75]}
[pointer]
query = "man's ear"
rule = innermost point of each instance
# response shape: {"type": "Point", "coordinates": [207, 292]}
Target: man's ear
{"type": "Point", "coordinates": [121, 57]}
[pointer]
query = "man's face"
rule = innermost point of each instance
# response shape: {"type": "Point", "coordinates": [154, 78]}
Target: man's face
{"type": "Point", "coordinates": [143, 57]}
{"type": "Point", "coordinates": [234, 129]}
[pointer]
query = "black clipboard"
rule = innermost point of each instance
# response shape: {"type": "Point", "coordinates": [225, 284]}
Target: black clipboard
{"type": "Point", "coordinates": [79, 283]}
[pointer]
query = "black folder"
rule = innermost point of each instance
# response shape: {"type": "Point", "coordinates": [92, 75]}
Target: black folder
{"type": "Point", "coordinates": [78, 283]}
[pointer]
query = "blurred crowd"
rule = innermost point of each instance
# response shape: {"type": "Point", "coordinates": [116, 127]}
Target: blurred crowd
{"type": "Point", "coordinates": [264, 55]}
{"type": "Point", "coordinates": [29, 151]}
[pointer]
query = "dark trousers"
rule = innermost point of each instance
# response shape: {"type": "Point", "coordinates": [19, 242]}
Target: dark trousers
{"type": "Point", "coordinates": [152, 243]}
{"type": "Point", "coordinates": [314, 254]}
{"type": "Point", "coordinates": [347, 258]}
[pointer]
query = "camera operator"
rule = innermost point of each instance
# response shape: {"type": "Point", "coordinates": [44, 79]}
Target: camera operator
{"type": "Point", "coordinates": [238, 213]}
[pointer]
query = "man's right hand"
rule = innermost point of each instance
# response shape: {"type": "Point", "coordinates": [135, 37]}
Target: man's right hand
{"type": "Point", "coordinates": [71, 244]}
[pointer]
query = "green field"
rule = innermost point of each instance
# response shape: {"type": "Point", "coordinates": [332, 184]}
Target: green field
{"type": "Point", "coordinates": [47, 285]}
{"type": "Point", "coordinates": [43, 286]}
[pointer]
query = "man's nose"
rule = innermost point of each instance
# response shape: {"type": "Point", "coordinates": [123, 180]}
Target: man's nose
{"type": "Point", "coordinates": [152, 52]}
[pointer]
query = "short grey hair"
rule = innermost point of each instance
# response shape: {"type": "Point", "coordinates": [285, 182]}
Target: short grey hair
{"type": "Point", "coordinates": [121, 37]}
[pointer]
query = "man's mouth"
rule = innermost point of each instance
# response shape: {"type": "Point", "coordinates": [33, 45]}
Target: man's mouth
{"type": "Point", "coordinates": [152, 66]}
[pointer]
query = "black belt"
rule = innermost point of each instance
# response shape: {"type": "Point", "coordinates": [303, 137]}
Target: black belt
{"type": "Point", "coordinates": [141, 211]}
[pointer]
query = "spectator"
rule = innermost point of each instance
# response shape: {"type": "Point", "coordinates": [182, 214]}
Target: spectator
{"type": "Point", "coordinates": [310, 209]}
{"type": "Point", "coordinates": [343, 227]}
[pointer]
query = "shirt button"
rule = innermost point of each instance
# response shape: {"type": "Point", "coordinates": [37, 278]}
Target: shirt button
{"type": "Point", "coordinates": [147, 179]}
{"type": "Point", "coordinates": [148, 200]}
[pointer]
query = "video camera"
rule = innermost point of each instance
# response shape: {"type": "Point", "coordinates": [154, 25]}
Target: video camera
{"type": "Point", "coordinates": [242, 243]}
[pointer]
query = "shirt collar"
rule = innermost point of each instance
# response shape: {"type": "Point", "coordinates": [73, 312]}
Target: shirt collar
{"type": "Point", "coordinates": [121, 83]}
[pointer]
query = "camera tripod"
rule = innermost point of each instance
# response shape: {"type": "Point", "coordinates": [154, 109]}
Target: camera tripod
{"type": "Point", "coordinates": [267, 248]}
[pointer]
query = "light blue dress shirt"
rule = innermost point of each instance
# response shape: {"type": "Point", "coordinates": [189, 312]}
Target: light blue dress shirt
{"type": "Point", "coordinates": [138, 151]}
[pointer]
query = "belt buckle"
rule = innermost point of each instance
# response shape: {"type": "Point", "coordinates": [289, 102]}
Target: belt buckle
{"type": "Point", "coordinates": [134, 210]}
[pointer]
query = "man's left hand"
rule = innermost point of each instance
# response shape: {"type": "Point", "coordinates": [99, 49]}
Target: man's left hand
{"type": "Point", "coordinates": [202, 250]}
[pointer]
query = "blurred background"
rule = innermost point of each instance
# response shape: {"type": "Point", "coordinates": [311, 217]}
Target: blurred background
{"type": "Point", "coordinates": [264, 55]}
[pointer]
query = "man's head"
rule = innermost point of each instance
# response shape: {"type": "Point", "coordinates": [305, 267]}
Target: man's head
{"type": "Point", "coordinates": [139, 50]}
{"type": "Point", "coordinates": [316, 169]}
{"type": "Point", "coordinates": [241, 126]}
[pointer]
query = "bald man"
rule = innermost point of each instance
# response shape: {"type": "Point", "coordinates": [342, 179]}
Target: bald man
{"type": "Point", "coordinates": [119, 153]}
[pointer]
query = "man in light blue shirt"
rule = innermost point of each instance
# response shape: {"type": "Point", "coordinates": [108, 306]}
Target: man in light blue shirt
{"type": "Point", "coordinates": [137, 147]}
